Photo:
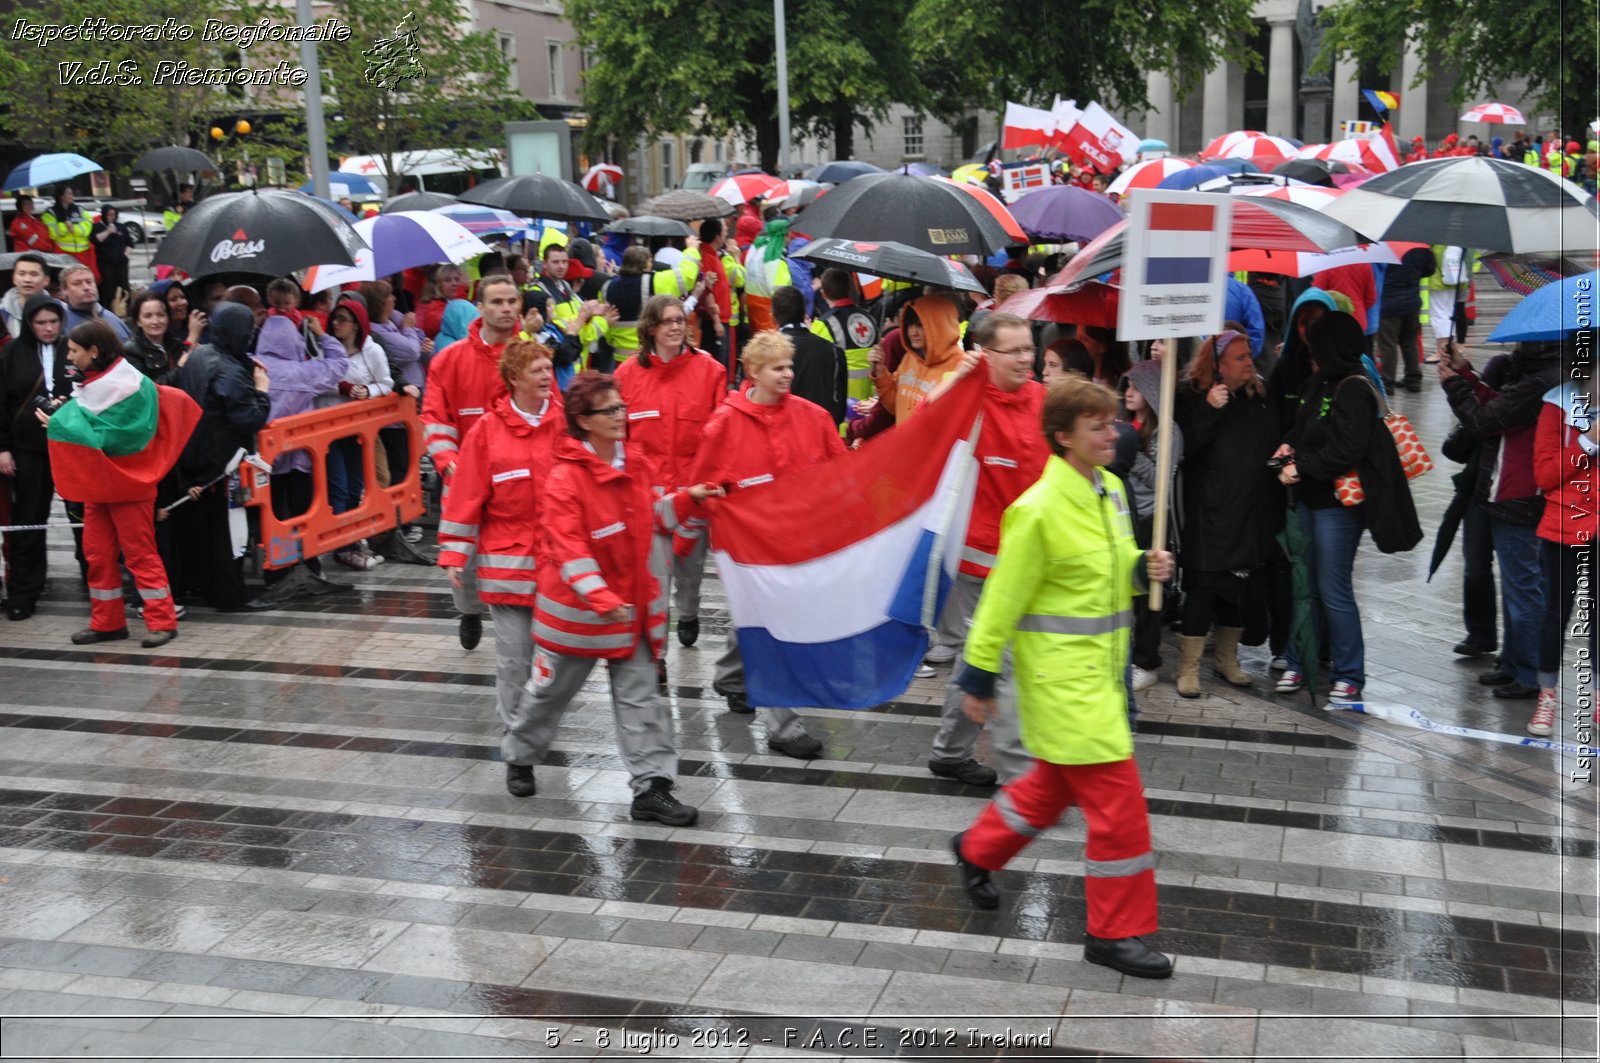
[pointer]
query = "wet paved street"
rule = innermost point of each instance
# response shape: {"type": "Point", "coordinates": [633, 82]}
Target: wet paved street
{"type": "Point", "coordinates": [289, 837]}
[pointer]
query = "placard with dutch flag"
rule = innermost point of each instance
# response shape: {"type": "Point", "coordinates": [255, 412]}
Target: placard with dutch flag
{"type": "Point", "coordinates": [1175, 266]}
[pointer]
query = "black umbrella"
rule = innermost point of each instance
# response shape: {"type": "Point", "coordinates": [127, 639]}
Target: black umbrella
{"type": "Point", "coordinates": [271, 233]}
{"type": "Point", "coordinates": [921, 212]}
{"type": "Point", "coordinates": [1311, 171]}
{"type": "Point", "coordinates": [52, 260]}
{"type": "Point", "coordinates": [648, 225]}
{"type": "Point", "coordinates": [178, 159]}
{"type": "Point", "coordinates": [892, 261]}
{"type": "Point", "coordinates": [538, 195]}
{"type": "Point", "coordinates": [418, 201]}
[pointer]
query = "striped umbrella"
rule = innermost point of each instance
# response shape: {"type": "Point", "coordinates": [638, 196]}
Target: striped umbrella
{"type": "Point", "coordinates": [1305, 263]}
{"type": "Point", "coordinates": [602, 179]}
{"type": "Point", "coordinates": [1496, 113]}
{"type": "Point", "coordinates": [1146, 175]}
{"type": "Point", "coordinates": [742, 188]}
{"type": "Point", "coordinates": [1257, 147]}
{"type": "Point", "coordinates": [1477, 202]}
{"type": "Point", "coordinates": [1219, 147]}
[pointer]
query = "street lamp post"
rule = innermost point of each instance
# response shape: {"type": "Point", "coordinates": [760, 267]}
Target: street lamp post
{"type": "Point", "coordinates": [783, 88]}
{"type": "Point", "coordinates": [316, 132]}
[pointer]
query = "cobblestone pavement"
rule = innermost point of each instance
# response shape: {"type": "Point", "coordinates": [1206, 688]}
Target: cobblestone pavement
{"type": "Point", "coordinates": [285, 836]}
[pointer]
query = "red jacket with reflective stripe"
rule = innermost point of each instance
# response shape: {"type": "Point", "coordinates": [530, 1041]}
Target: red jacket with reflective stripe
{"type": "Point", "coordinates": [463, 384]}
{"type": "Point", "coordinates": [597, 523]}
{"type": "Point", "coordinates": [1011, 454]}
{"type": "Point", "coordinates": [493, 499]}
{"type": "Point", "coordinates": [669, 404]}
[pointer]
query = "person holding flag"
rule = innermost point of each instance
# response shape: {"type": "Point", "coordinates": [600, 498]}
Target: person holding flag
{"type": "Point", "coordinates": [1061, 595]}
{"type": "Point", "coordinates": [110, 445]}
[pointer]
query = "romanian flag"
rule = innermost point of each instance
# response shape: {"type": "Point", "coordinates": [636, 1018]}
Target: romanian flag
{"type": "Point", "coordinates": [118, 436]}
{"type": "Point", "coordinates": [1382, 102]}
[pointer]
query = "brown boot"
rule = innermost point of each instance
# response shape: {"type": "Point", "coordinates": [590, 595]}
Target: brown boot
{"type": "Point", "coordinates": [1190, 647]}
{"type": "Point", "coordinates": [1226, 656]}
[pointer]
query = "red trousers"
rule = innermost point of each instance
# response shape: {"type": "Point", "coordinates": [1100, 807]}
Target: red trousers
{"type": "Point", "coordinates": [1119, 868]}
{"type": "Point", "coordinates": [128, 529]}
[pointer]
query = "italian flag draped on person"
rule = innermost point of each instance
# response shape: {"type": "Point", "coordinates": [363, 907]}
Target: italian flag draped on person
{"type": "Point", "coordinates": [119, 436]}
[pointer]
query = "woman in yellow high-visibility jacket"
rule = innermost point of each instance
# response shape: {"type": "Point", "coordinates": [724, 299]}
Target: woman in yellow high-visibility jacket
{"type": "Point", "coordinates": [1061, 595]}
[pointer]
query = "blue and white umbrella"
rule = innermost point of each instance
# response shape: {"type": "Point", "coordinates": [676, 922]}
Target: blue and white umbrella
{"type": "Point", "coordinates": [398, 242]}
{"type": "Point", "coordinates": [49, 170]}
{"type": "Point", "coordinates": [483, 221]}
{"type": "Point", "coordinates": [1553, 312]}
{"type": "Point", "coordinates": [346, 184]}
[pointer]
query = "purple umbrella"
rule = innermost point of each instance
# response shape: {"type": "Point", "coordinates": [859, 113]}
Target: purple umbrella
{"type": "Point", "coordinates": [1065, 213]}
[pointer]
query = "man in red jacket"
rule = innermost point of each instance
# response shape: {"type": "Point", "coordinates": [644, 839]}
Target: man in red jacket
{"type": "Point", "coordinates": [463, 383]}
{"type": "Point", "coordinates": [1011, 454]}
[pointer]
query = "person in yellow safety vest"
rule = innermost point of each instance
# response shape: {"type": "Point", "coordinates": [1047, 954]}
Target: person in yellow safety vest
{"type": "Point", "coordinates": [569, 313]}
{"type": "Point", "coordinates": [676, 271]}
{"type": "Point", "coordinates": [70, 228]}
{"type": "Point", "coordinates": [766, 269]}
{"type": "Point", "coordinates": [734, 268]}
{"type": "Point", "coordinates": [848, 327]}
{"type": "Point", "coordinates": [174, 214]}
{"type": "Point", "coordinates": [625, 295]}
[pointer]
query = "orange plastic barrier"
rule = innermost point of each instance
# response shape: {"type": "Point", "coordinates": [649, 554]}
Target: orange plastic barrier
{"type": "Point", "coordinates": [319, 530]}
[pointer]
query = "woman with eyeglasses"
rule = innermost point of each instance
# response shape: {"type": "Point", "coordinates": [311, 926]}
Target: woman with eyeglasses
{"type": "Point", "coordinates": [672, 389]}
{"type": "Point", "coordinates": [598, 599]}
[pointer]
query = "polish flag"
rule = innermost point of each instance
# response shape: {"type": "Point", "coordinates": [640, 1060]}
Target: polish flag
{"type": "Point", "coordinates": [1100, 139]}
{"type": "Point", "coordinates": [1382, 151]}
{"type": "Point", "coordinates": [1027, 127]}
{"type": "Point", "coordinates": [1066, 115]}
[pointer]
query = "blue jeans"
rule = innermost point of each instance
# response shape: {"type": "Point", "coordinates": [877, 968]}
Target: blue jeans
{"type": "Point", "coordinates": [1335, 534]}
{"type": "Point", "coordinates": [346, 475]}
{"type": "Point", "coordinates": [1516, 550]}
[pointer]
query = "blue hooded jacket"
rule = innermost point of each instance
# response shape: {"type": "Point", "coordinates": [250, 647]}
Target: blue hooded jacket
{"type": "Point", "coordinates": [1293, 368]}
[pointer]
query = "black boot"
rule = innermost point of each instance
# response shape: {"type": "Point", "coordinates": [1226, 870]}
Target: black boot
{"type": "Point", "coordinates": [1128, 955]}
{"type": "Point", "coordinates": [519, 780]}
{"type": "Point", "coordinates": [470, 631]}
{"type": "Point", "coordinates": [976, 880]}
{"type": "Point", "coordinates": [657, 803]}
{"type": "Point", "coordinates": [688, 632]}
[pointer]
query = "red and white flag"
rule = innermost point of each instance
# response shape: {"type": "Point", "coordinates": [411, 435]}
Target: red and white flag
{"type": "Point", "coordinates": [1027, 127]}
{"type": "Point", "coordinates": [1099, 139]}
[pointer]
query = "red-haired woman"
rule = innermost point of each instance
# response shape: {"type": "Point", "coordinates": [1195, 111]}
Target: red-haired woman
{"type": "Point", "coordinates": [597, 599]}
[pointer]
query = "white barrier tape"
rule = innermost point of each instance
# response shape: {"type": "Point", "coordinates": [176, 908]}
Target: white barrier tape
{"type": "Point", "coordinates": [1405, 714]}
{"type": "Point", "coordinates": [35, 527]}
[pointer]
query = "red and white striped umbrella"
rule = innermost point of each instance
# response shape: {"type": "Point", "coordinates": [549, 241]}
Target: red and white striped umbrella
{"type": "Point", "coordinates": [1314, 196]}
{"type": "Point", "coordinates": [1259, 146]}
{"type": "Point", "coordinates": [1497, 113]}
{"type": "Point", "coordinates": [602, 179]}
{"type": "Point", "coordinates": [1305, 263]}
{"type": "Point", "coordinates": [742, 188]}
{"type": "Point", "coordinates": [1358, 153]}
{"type": "Point", "coordinates": [1218, 148]}
{"type": "Point", "coordinates": [1146, 174]}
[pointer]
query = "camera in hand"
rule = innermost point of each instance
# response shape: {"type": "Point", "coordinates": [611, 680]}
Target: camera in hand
{"type": "Point", "coordinates": [47, 404]}
{"type": "Point", "coordinates": [1280, 461]}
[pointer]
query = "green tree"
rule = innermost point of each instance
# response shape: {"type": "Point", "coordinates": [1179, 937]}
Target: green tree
{"type": "Point", "coordinates": [662, 67]}
{"type": "Point", "coordinates": [1550, 44]}
{"type": "Point", "coordinates": [42, 104]}
{"type": "Point", "coordinates": [461, 99]}
{"type": "Point", "coordinates": [983, 55]}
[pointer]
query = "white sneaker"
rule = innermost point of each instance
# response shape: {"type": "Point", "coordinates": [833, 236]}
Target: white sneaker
{"type": "Point", "coordinates": [925, 671]}
{"type": "Point", "coordinates": [1143, 680]}
{"type": "Point", "coordinates": [1291, 683]}
{"type": "Point", "coordinates": [413, 533]}
{"type": "Point", "coordinates": [1279, 663]}
{"type": "Point", "coordinates": [357, 560]}
{"type": "Point", "coordinates": [1345, 693]}
{"type": "Point", "coordinates": [941, 655]}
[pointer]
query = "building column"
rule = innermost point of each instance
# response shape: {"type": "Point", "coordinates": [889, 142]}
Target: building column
{"type": "Point", "coordinates": [1413, 98]}
{"type": "Point", "coordinates": [1346, 92]}
{"type": "Point", "coordinates": [1159, 121]}
{"type": "Point", "coordinates": [1280, 81]}
{"type": "Point", "coordinates": [1214, 112]}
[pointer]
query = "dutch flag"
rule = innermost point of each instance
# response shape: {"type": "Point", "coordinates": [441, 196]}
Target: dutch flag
{"type": "Point", "coordinates": [834, 575]}
{"type": "Point", "coordinates": [1180, 243]}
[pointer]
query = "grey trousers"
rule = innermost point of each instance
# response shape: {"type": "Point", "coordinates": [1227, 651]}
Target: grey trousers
{"type": "Point", "coordinates": [465, 596]}
{"type": "Point", "coordinates": [644, 732]}
{"type": "Point", "coordinates": [782, 724]}
{"type": "Point", "coordinates": [513, 657]}
{"type": "Point", "coordinates": [957, 739]}
{"type": "Point", "coordinates": [679, 576]}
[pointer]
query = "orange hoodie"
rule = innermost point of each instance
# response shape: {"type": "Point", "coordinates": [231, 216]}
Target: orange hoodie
{"type": "Point", "coordinates": [919, 374]}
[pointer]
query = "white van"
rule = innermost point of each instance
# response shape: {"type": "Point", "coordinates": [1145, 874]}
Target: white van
{"type": "Point", "coordinates": [433, 170]}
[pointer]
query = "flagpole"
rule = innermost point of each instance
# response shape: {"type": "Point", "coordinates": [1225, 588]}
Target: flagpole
{"type": "Point", "coordinates": [1158, 532]}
